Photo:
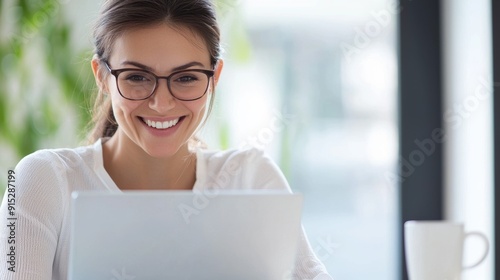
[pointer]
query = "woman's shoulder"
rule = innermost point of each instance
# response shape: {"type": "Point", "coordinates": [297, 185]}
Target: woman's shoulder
{"type": "Point", "coordinates": [240, 168]}
{"type": "Point", "coordinates": [48, 171]}
{"type": "Point", "coordinates": [56, 158]}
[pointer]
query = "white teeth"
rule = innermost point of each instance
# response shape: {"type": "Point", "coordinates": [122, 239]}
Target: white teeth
{"type": "Point", "coordinates": [161, 125]}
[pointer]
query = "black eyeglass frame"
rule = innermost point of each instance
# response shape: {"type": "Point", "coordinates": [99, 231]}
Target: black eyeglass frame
{"type": "Point", "coordinates": [116, 72]}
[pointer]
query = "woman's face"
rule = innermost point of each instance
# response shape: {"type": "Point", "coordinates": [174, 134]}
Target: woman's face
{"type": "Point", "coordinates": [161, 50]}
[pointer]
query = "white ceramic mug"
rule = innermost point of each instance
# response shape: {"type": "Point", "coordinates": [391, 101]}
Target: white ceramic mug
{"type": "Point", "coordinates": [434, 249]}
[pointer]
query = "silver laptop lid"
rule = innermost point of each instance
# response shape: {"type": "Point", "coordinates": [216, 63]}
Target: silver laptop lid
{"type": "Point", "coordinates": [155, 235]}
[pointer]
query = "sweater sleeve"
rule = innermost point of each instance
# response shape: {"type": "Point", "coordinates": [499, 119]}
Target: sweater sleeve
{"type": "Point", "coordinates": [33, 220]}
{"type": "Point", "coordinates": [269, 176]}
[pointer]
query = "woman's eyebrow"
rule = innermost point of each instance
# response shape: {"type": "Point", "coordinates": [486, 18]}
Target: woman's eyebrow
{"type": "Point", "coordinates": [188, 65]}
{"type": "Point", "coordinates": [178, 68]}
{"type": "Point", "coordinates": [137, 64]}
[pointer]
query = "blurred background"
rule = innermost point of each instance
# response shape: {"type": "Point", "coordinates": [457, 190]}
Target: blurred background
{"type": "Point", "coordinates": [314, 83]}
{"type": "Point", "coordinates": [302, 80]}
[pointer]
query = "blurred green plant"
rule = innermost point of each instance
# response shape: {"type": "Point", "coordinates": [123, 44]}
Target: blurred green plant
{"type": "Point", "coordinates": [45, 81]}
{"type": "Point", "coordinates": [36, 51]}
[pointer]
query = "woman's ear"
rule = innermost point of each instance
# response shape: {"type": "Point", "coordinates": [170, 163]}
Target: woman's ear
{"type": "Point", "coordinates": [98, 75]}
{"type": "Point", "coordinates": [218, 70]}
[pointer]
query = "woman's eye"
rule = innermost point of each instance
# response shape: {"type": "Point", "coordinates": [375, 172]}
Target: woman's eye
{"type": "Point", "coordinates": [186, 79]}
{"type": "Point", "coordinates": [137, 78]}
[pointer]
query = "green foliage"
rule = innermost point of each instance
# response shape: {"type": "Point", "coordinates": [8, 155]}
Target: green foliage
{"type": "Point", "coordinates": [42, 83]}
{"type": "Point", "coordinates": [239, 41]}
{"type": "Point", "coordinates": [38, 26]}
{"type": "Point", "coordinates": [224, 135]}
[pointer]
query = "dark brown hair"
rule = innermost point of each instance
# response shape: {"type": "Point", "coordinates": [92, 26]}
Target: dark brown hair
{"type": "Point", "coordinates": [119, 16]}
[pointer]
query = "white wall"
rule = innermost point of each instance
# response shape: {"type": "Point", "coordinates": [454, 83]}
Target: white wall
{"type": "Point", "coordinates": [467, 69]}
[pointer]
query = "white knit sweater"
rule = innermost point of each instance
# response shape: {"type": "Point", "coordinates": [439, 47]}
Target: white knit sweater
{"type": "Point", "coordinates": [45, 180]}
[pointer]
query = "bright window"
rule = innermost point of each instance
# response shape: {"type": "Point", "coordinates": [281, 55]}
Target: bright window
{"type": "Point", "coordinates": [315, 84]}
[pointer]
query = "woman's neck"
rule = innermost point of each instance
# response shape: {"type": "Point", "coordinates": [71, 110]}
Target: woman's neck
{"type": "Point", "coordinates": [131, 168]}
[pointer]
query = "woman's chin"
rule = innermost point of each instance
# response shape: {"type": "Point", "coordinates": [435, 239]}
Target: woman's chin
{"type": "Point", "coordinates": [163, 151]}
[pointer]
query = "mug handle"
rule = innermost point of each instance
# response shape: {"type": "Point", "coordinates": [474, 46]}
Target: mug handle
{"type": "Point", "coordinates": [485, 239]}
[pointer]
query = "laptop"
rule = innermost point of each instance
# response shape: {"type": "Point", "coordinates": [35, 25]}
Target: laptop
{"type": "Point", "coordinates": [151, 235]}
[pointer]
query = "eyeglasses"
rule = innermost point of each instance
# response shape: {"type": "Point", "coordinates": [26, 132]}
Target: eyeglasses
{"type": "Point", "coordinates": [185, 85]}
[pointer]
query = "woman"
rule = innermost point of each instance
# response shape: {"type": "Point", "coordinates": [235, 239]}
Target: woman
{"type": "Point", "coordinates": [156, 64]}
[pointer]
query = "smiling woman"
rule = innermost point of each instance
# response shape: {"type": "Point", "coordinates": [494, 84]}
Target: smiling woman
{"type": "Point", "coordinates": [156, 64]}
{"type": "Point", "coordinates": [163, 50]}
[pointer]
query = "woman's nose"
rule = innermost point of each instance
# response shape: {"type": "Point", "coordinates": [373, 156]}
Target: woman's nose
{"type": "Point", "coordinates": [162, 99]}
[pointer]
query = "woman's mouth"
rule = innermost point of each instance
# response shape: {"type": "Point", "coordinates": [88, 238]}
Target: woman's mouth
{"type": "Point", "coordinates": [161, 124]}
